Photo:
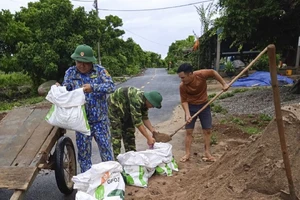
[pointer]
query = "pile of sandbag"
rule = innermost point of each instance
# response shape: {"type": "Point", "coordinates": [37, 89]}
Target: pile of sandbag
{"type": "Point", "coordinates": [106, 180]}
{"type": "Point", "coordinates": [140, 166]}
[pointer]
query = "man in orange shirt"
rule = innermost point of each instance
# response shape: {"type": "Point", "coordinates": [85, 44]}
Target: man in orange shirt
{"type": "Point", "coordinates": [193, 94]}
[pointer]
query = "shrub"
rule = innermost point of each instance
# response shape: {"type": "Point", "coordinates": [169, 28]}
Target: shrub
{"type": "Point", "coordinates": [132, 70]}
{"type": "Point", "coordinates": [14, 79]}
{"type": "Point", "coordinates": [262, 64]}
{"type": "Point", "coordinates": [229, 68]}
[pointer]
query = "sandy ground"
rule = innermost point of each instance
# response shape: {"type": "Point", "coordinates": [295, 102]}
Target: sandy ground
{"type": "Point", "coordinates": [247, 167]}
{"type": "Point", "coordinates": [160, 187]}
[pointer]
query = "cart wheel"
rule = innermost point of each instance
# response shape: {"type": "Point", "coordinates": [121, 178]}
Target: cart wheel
{"type": "Point", "coordinates": [65, 164]}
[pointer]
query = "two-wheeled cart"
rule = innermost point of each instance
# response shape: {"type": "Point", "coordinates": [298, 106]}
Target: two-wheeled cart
{"type": "Point", "coordinates": [27, 145]}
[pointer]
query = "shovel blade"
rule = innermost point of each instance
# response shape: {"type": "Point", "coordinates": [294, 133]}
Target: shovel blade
{"type": "Point", "coordinates": [162, 137]}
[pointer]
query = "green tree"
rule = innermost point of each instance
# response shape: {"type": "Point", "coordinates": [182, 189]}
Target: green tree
{"type": "Point", "coordinates": [260, 23]}
{"type": "Point", "coordinates": [179, 51]}
{"type": "Point", "coordinates": [39, 40]}
{"type": "Point", "coordinates": [53, 29]}
{"type": "Point", "coordinates": [11, 32]}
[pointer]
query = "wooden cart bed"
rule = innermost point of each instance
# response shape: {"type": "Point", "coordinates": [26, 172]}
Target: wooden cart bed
{"type": "Point", "coordinates": [26, 140]}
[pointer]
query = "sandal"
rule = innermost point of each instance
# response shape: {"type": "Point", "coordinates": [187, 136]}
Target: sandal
{"type": "Point", "coordinates": [184, 158]}
{"type": "Point", "coordinates": [210, 159]}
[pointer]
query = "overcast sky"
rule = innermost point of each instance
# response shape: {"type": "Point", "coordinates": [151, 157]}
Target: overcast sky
{"type": "Point", "coordinates": [153, 30]}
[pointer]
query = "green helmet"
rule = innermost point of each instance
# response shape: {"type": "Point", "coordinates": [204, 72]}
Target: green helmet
{"type": "Point", "coordinates": [154, 98]}
{"type": "Point", "coordinates": [84, 53]}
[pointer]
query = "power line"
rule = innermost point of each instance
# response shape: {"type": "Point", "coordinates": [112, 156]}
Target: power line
{"type": "Point", "coordinates": [154, 9]}
{"type": "Point", "coordinates": [145, 38]}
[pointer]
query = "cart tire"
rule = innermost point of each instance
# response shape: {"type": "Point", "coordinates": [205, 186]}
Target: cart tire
{"type": "Point", "coordinates": [65, 164]}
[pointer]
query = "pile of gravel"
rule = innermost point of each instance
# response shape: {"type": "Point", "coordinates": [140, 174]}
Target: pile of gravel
{"type": "Point", "coordinates": [256, 101]}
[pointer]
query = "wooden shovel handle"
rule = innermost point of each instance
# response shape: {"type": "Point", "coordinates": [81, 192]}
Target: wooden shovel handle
{"type": "Point", "coordinates": [215, 97]}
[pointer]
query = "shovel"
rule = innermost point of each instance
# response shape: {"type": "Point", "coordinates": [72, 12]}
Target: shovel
{"type": "Point", "coordinates": [163, 137]}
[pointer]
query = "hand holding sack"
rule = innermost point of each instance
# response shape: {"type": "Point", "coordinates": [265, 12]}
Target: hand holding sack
{"type": "Point", "coordinates": [68, 109]}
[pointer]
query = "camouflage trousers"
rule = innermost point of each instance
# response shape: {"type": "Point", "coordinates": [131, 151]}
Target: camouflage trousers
{"type": "Point", "coordinates": [121, 128]}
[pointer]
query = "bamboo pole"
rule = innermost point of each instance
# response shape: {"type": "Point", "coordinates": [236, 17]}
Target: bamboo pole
{"type": "Point", "coordinates": [276, 98]}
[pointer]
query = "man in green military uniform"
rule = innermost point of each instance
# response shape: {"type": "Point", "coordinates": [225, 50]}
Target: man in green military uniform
{"type": "Point", "coordinates": [128, 108]}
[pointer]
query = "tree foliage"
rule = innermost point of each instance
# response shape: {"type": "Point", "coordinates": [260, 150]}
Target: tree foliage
{"type": "Point", "coordinates": [179, 51]}
{"type": "Point", "coordinates": [205, 15]}
{"type": "Point", "coordinates": [261, 22]}
{"type": "Point", "coordinates": [40, 38]}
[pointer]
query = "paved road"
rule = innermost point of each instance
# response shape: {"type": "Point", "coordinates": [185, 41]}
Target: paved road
{"type": "Point", "coordinates": [167, 85]}
{"type": "Point", "coordinates": [44, 187]}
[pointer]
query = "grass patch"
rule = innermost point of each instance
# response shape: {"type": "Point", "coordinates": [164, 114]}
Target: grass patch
{"type": "Point", "coordinates": [232, 93]}
{"type": "Point", "coordinates": [226, 95]}
{"type": "Point", "coordinates": [238, 121]}
{"type": "Point", "coordinates": [211, 96]}
{"type": "Point", "coordinates": [10, 105]}
{"type": "Point", "coordinates": [218, 109]}
{"type": "Point", "coordinates": [265, 117]}
{"type": "Point", "coordinates": [251, 130]}
{"type": "Point", "coordinates": [240, 90]}
{"type": "Point", "coordinates": [213, 139]}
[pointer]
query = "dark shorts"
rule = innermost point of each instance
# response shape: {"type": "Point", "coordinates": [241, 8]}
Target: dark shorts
{"type": "Point", "coordinates": [204, 116]}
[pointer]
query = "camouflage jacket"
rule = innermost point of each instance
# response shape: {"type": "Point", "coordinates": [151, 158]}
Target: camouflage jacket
{"type": "Point", "coordinates": [101, 83]}
{"type": "Point", "coordinates": [132, 103]}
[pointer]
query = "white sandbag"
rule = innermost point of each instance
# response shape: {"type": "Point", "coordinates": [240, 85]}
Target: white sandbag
{"type": "Point", "coordinates": [140, 166]}
{"type": "Point", "coordinates": [136, 175]}
{"type": "Point", "coordinates": [72, 118]}
{"type": "Point", "coordinates": [161, 153]}
{"type": "Point", "coordinates": [68, 109]}
{"type": "Point", "coordinates": [167, 168]}
{"type": "Point", "coordinates": [102, 181]}
{"type": "Point", "coordinates": [59, 95]}
{"type": "Point", "coordinates": [173, 165]}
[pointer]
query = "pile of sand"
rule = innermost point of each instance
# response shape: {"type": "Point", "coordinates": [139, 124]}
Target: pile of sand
{"type": "Point", "coordinates": [254, 170]}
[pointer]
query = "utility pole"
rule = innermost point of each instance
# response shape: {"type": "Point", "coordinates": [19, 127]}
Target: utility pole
{"type": "Point", "coordinates": [298, 54]}
{"type": "Point", "coordinates": [217, 64]}
{"type": "Point", "coordinates": [98, 43]}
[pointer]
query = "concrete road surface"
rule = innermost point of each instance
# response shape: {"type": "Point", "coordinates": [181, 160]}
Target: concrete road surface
{"type": "Point", "coordinates": [44, 186]}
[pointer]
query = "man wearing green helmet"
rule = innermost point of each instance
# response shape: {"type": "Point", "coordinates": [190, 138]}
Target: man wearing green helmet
{"type": "Point", "coordinates": [128, 108]}
{"type": "Point", "coordinates": [96, 83]}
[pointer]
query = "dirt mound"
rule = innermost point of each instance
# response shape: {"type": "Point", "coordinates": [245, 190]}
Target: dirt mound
{"type": "Point", "coordinates": [254, 170]}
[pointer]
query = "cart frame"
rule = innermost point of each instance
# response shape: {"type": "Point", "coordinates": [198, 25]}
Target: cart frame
{"type": "Point", "coordinates": [27, 145]}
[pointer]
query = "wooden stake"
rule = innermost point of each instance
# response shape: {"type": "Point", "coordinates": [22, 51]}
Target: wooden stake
{"type": "Point", "coordinates": [276, 98]}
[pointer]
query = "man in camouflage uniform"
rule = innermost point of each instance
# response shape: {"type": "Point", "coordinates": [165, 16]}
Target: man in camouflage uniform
{"type": "Point", "coordinates": [127, 109]}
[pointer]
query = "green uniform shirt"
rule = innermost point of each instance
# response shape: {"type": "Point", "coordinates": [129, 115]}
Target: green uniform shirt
{"type": "Point", "coordinates": [132, 103]}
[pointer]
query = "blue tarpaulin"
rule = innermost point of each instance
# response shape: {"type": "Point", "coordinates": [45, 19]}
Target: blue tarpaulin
{"type": "Point", "coordinates": [261, 79]}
